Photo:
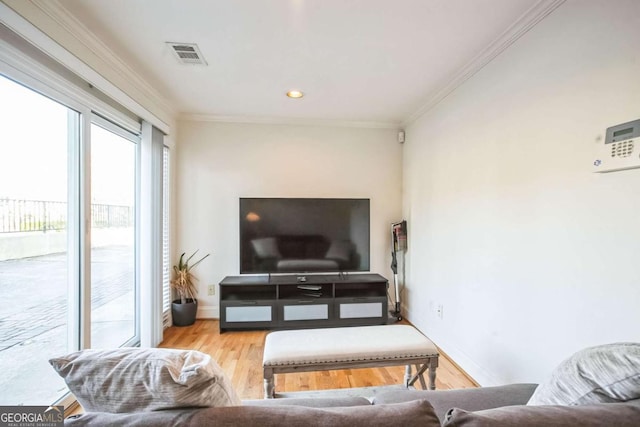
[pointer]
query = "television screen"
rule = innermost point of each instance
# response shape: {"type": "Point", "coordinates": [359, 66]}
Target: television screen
{"type": "Point", "coordinates": [280, 235]}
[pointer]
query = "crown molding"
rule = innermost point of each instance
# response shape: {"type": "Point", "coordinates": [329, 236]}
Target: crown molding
{"type": "Point", "coordinates": [15, 62]}
{"type": "Point", "coordinates": [289, 121]}
{"type": "Point", "coordinates": [528, 20]}
{"type": "Point", "coordinates": [62, 17]}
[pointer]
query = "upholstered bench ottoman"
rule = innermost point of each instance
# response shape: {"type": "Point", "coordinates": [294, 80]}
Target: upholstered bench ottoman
{"type": "Point", "coordinates": [308, 350]}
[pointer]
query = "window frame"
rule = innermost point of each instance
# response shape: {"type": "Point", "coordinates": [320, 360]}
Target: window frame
{"type": "Point", "coordinates": [115, 128]}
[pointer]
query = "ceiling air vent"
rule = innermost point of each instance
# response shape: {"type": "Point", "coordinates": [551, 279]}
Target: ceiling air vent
{"type": "Point", "coordinates": [187, 53]}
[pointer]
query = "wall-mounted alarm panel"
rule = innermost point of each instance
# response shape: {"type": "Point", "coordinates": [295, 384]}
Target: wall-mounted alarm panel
{"type": "Point", "coordinates": [620, 149]}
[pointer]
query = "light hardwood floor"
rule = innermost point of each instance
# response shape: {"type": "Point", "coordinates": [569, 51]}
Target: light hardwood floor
{"type": "Point", "coordinates": [239, 353]}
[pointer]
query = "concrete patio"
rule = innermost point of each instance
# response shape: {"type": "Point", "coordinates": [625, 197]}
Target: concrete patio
{"type": "Point", "coordinates": [33, 318]}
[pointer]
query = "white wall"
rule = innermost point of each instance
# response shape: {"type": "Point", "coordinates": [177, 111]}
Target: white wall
{"type": "Point", "coordinates": [217, 163]}
{"type": "Point", "coordinates": [531, 254]}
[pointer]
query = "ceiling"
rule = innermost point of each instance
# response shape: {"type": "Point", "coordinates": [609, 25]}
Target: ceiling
{"type": "Point", "coordinates": [375, 61]}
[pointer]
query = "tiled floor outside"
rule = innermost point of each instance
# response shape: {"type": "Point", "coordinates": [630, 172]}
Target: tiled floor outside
{"type": "Point", "coordinates": [33, 318]}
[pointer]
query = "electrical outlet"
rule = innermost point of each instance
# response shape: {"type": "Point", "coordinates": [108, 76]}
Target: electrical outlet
{"type": "Point", "coordinates": [212, 290]}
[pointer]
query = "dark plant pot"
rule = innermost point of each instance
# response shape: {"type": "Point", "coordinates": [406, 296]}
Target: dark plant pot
{"type": "Point", "coordinates": [184, 314]}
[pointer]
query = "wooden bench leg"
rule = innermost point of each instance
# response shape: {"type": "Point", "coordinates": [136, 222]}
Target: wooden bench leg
{"type": "Point", "coordinates": [269, 384]}
{"type": "Point", "coordinates": [407, 376]}
{"type": "Point", "coordinates": [433, 364]}
{"type": "Point", "coordinates": [411, 380]}
{"type": "Point", "coordinates": [421, 376]}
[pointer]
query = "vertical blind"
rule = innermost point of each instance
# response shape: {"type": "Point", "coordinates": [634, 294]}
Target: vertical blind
{"type": "Point", "coordinates": [166, 261]}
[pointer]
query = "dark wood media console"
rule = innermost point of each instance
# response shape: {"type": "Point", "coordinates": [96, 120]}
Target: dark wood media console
{"type": "Point", "coordinates": [302, 301]}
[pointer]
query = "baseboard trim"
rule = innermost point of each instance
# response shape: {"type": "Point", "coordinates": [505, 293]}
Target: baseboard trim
{"type": "Point", "coordinates": [208, 312]}
{"type": "Point", "coordinates": [469, 377]}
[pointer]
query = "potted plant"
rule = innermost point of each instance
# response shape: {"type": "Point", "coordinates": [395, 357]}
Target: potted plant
{"type": "Point", "coordinates": [185, 307]}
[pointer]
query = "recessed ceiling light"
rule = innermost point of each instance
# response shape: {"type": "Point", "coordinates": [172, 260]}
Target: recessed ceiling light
{"type": "Point", "coordinates": [295, 94]}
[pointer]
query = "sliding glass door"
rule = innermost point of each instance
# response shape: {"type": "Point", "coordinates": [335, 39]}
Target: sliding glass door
{"type": "Point", "coordinates": [68, 239]}
{"type": "Point", "coordinates": [113, 236]}
{"type": "Point", "coordinates": [37, 136]}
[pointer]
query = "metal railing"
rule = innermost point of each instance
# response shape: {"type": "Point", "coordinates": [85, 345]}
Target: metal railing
{"type": "Point", "coordinates": [109, 216]}
{"type": "Point", "coordinates": [39, 215]}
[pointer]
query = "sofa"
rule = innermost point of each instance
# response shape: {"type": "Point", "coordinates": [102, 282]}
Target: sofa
{"type": "Point", "coordinates": [599, 386]}
{"type": "Point", "coordinates": [488, 406]}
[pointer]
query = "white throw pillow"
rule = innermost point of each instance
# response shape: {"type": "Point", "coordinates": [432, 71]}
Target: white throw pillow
{"type": "Point", "coordinates": [602, 374]}
{"type": "Point", "coordinates": [136, 379]}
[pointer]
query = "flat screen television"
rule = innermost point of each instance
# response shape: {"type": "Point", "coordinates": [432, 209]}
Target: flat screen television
{"type": "Point", "coordinates": [296, 235]}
